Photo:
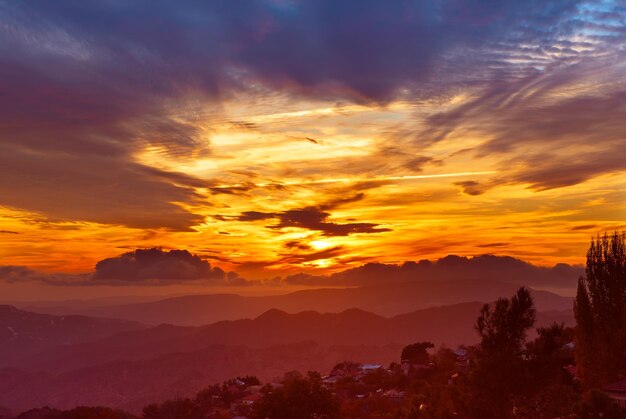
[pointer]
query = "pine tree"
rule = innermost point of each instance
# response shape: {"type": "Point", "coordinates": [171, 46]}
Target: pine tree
{"type": "Point", "coordinates": [600, 310]}
{"type": "Point", "coordinates": [498, 381]}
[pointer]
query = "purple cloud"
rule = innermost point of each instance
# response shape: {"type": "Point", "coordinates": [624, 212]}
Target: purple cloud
{"type": "Point", "coordinates": [156, 264]}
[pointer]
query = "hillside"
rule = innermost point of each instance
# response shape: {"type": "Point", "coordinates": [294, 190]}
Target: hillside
{"type": "Point", "coordinates": [130, 369]}
{"type": "Point", "coordinates": [138, 365]}
{"type": "Point", "coordinates": [447, 325]}
{"type": "Point", "coordinates": [384, 300]}
{"type": "Point", "coordinates": [23, 333]}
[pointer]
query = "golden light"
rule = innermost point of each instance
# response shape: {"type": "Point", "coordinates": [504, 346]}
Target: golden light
{"type": "Point", "coordinates": [320, 244]}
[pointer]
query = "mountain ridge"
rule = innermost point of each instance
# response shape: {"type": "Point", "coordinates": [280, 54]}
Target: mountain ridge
{"type": "Point", "coordinates": [398, 298]}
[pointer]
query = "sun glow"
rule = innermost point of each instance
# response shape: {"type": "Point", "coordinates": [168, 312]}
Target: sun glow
{"type": "Point", "coordinates": [320, 244]}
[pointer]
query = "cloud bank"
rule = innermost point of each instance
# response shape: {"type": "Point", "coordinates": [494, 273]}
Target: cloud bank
{"type": "Point", "coordinates": [157, 266]}
{"type": "Point", "coordinates": [452, 267]}
{"type": "Point", "coordinates": [154, 266]}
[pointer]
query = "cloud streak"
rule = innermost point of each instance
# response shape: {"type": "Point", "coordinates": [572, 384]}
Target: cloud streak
{"type": "Point", "coordinates": [310, 218]}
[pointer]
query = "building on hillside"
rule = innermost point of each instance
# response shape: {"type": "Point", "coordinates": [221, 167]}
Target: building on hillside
{"type": "Point", "coordinates": [617, 391]}
{"type": "Point", "coordinates": [394, 394]}
{"type": "Point", "coordinates": [251, 398]}
{"type": "Point", "coordinates": [370, 367]}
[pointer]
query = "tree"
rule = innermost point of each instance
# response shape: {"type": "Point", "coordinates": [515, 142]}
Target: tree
{"type": "Point", "coordinates": [173, 409]}
{"type": "Point", "coordinates": [498, 381]}
{"type": "Point", "coordinates": [297, 398]}
{"type": "Point", "coordinates": [80, 412]}
{"type": "Point", "coordinates": [596, 404]}
{"type": "Point", "coordinates": [600, 310]}
{"type": "Point", "coordinates": [503, 328]}
{"type": "Point", "coordinates": [554, 390]}
{"type": "Point", "coordinates": [416, 353]}
{"type": "Point", "coordinates": [249, 380]}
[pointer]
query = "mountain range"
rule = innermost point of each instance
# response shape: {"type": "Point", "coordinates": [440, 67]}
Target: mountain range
{"type": "Point", "coordinates": [23, 334]}
{"type": "Point", "coordinates": [385, 300]}
{"type": "Point", "coordinates": [134, 367]}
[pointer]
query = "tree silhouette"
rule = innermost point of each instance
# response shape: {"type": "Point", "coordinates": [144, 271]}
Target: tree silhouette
{"type": "Point", "coordinates": [416, 353]}
{"type": "Point", "coordinates": [297, 398]}
{"type": "Point", "coordinates": [503, 328]}
{"type": "Point", "coordinates": [498, 381]}
{"type": "Point", "coordinates": [600, 310]}
{"type": "Point", "coordinates": [173, 409]}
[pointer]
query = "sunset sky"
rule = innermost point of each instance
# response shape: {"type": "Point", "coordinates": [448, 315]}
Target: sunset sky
{"type": "Point", "coordinates": [276, 137]}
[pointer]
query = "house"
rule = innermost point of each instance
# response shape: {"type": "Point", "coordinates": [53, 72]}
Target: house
{"type": "Point", "coordinates": [370, 367]}
{"type": "Point", "coordinates": [330, 380]}
{"type": "Point", "coordinates": [251, 398]}
{"type": "Point", "coordinates": [460, 352]}
{"type": "Point", "coordinates": [394, 394]}
{"type": "Point", "coordinates": [462, 357]}
{"type": "Point", "coordinates": [617, 391]}
{"type": "Point", "coordinates": [254, 389]}
{"type": "Point", "coordinates": [570, 346]}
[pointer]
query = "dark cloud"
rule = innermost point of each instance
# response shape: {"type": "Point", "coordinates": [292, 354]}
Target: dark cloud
{"type": "Point", "coordinates": [241, 190]}
{"type": "Point", "coordinates": [10, 273]}
{"type": "Point", "coordinates": [303, 257]}
{"type": "Point", "coordinates": [501, 268]}
{"type": "Point", "coordinates": [551, 171]}
{"type": "Point", "coordinates": [314, 218]}
{"type": "Point", "coordinates": [551, 139]}
{"type": "Point", "coordinates": [366, 47]}
{"type": "Point", "coordinates": [591, 227]}
{"type": "Point", "coordinates": [244, 125]}
{"type": "Point", "coordinates": [153, 266]}
{"type": "Point", "coordinates": [85, 85]}
{"type": "Point", "coordinates": [416, 164]}
{"type": "Point", "coordinates": [111, 191]}
{"type": "Point", "coordinates": [341, 200]}
{"type": "Point", "coordinates": [68, 133]}
{"type": "Point", "coordinates": [495, 244]}
{"type": "Point", "coordinates": [18, 274]}
{"type": "Point", "coordinates": [471, 187]}
{"type": "Point", "coordinates": [156, 264]}
{"type": "Point", "coordinates": [297, 245]}
{"type": "Point", "coordinates": [256, 216]}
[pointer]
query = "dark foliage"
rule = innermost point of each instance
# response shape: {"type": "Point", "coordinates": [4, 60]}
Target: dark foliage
{"type": "Point", "coordinates": [600, 310]}
{"type": "Point", "coordinates": [297, 398]}
{"type": "Point", "coordinates": [82, 412]}
{"type": "Point", "coordinates": [416, 353]}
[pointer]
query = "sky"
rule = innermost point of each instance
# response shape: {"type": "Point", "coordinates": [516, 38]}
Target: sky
{"type": "Point", "coordinates": [233, 141]}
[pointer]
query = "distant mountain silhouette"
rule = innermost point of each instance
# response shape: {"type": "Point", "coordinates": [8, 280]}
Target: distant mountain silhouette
{"type": "Point", "coordinates": [385, 300]}
{"type": "Point", "coordinates": [130, 385]}
{"type": "Point", "coordinates": [129, 369]}
{"type": "Point", "coordinates": [24, 333]}
{"type": "Point", "coordinates": [449, 325]}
